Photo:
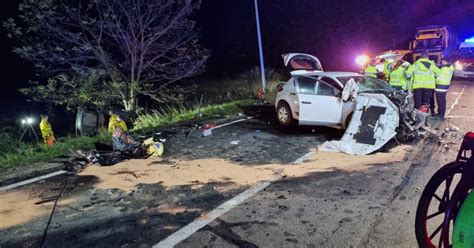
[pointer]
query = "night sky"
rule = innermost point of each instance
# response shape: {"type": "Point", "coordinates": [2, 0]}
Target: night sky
{"type": "Point", "coordinates": [334, 30]}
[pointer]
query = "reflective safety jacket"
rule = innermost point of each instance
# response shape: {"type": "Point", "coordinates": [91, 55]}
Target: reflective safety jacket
{"type": "Point", "coordinates": [386, 69]}
{"type": "Point", "coordinates": [114, 123]}
{"type": "Point", "coordinates": [371, 71]}
{"type": "Point", "coordinates": [444, 78]}
{"type": "Point", "coordinates": [398, 78]}
{"type": "Point", "coordinates": [422, 73]}
{"type": "Point", "coordinates": [46, 130]}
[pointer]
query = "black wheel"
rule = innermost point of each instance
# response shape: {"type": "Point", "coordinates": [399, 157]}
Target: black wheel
{"type": "Point", "coordinates": [284, 116]}
{"type": "Point", "coordinates": [437, 208]}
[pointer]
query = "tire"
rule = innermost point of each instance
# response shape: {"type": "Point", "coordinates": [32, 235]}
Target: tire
{"type": "Point", "coordinates": [284, 116]}
{"type": "Point", "coordinates": [421, 221]}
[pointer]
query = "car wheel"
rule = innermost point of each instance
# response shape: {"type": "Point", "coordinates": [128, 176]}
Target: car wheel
{"type": "Point", "coordinates": [284, 115]}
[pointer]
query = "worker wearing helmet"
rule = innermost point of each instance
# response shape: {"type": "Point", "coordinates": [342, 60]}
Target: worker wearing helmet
{"type": "Point", "coordinates": [422, 74]}
{"type": "Point", "coordinates": [371, 70]}
{"type": "Point", "coordinates": [398, 78]}
{"type": "Point", "coordinates": [46, 131]}
{"type": "Point", "coordinates": [116, 121]}
{"type": "Point", "coordinates": [443, 80]}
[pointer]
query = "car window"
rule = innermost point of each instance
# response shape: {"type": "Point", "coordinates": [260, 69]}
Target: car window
{"type": "Point", "coordinates": [331, 82]}
{"type": "Point", "coordinates": [368, 84]}
{"type": "Point", "coordinates": [325, 89]}
{"type": "Point", "coordinates": [307, 85]}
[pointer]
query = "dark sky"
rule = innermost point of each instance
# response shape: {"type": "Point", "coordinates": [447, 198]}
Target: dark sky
{"type": "Point", "coordinates": [334, 30]}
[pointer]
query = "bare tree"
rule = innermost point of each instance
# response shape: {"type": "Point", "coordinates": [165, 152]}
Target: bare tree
{"type": "Point", "coordinates": [144, 46]}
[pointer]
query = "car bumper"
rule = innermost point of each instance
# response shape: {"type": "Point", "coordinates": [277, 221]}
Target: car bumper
{"type": "Point", "coordinates": [464, 74]}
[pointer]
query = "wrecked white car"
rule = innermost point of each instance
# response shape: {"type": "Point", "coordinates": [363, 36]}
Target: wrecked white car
{"type": "Point", "coordinates": [369, 109]}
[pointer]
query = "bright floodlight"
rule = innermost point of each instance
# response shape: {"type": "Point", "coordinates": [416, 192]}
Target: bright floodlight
{"type": "Point", "coordinates": [23, 121]}
{"type": "Point", "coordinates": [29, 120]}
{"type": "Point", "coordinates": [362, 60]}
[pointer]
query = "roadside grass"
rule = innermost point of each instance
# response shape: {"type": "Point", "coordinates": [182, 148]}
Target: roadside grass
{"type": "Point", "coordinates": [21, 154]}
{"type": "Point", "coordinates": [159, 119]}
{"type": "Point", "coordinates": [16, 154]}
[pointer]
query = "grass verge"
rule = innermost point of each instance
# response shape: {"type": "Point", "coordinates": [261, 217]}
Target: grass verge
{"type": "Point", "coordinates": [25, 154]}
{"type": "Point", "coordinates": [156, 119]}
{"type": "Point", "coordinates": [16, 154]}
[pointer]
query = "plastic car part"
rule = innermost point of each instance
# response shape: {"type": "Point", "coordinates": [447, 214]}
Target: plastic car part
{"type": "Point", "coordinates": [373, 124]}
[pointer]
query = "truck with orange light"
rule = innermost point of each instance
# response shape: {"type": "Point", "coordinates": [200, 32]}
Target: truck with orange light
{"type": "Point", "coordinates": [439, 42]}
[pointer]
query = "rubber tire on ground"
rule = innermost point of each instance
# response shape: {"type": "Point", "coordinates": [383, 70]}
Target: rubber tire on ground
{"type": "Point", "coordinates": [290, 121]}
{"type": "Point", "coordinates": [423, 204]}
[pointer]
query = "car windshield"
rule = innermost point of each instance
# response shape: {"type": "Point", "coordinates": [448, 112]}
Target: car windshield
{"type": "Point", "coordinates": [368, 84]}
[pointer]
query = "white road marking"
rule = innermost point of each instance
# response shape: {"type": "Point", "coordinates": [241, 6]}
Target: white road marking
{"type": "Point", "coordinates": [205, 219]}
{"type": "Point", "coordinates": [460, 117]}
{"type": "Point", "coordinates": [456, 101]}
{"type": "Point", "coordinates": [32, 180]}
{"type": "Point", "coordinates": [53, 174]}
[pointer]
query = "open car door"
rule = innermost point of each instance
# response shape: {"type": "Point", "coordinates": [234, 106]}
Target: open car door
{"type": "Point", "coordinates": [298, 63]}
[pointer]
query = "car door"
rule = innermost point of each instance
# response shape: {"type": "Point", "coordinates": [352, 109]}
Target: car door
{"type": "Point", "coordinates": [319, 104]}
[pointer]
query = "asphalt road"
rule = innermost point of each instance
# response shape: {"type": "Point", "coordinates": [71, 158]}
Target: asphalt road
{"type": "Point", "coordinates": [324, 201]}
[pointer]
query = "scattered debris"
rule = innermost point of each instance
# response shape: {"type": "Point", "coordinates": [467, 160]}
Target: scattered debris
{"type": "Point", "coordinates": [235, 142]}
{"type": "Point", "coordinates": [206, 132]}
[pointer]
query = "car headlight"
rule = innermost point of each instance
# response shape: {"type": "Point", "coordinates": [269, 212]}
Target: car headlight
{"type": "Point", "coordinates": [458, 66]}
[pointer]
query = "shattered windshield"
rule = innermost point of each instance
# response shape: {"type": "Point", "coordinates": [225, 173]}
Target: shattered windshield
{"type": "Point", "coordinates": [367, 84]}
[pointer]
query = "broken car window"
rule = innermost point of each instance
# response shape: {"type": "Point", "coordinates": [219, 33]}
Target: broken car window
{"type": "Point", "coordinates": [307, 85]}
{"type": "Point", "coordinates": [367, 84]}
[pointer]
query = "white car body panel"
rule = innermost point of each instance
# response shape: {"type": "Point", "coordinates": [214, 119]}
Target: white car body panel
{"type": "Point", "coordinates": [367, 134]}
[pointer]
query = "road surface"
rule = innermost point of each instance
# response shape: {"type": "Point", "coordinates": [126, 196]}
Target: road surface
{"type": "Point", "coordinates": [272, 187]}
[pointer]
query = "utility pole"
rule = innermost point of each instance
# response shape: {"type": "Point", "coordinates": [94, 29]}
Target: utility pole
{"type": "Point", "coordinates": [260, 48]}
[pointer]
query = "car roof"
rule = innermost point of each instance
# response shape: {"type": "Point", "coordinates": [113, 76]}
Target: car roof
{"type": "Point", "coordinates": [331, 74]}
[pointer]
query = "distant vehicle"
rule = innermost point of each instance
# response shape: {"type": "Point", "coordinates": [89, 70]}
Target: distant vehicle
{"type": "Point", "coordinates": [464, 65]}
{"type": "Point", "coordinates": [313, 97]}
{"type": "Point", "coordinates": [440, 42]}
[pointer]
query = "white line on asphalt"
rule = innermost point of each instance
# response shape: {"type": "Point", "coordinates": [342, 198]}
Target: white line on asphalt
{"type": "Point", "coordinates": [201, 222]}
{"type": "Point", "coordinates": [456, 101]}
{"type": "Point", "coordinates": [32, 180]}
{"type": "Point", "coordinates": [460, 117]}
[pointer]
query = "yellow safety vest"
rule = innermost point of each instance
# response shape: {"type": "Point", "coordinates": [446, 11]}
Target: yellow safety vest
{"type": "Point", "coordinates": [444, 78]}
{"type": "Point", "coordinates": [423, 77]}
{"type": "Point", "coordinates": [46, 130]}
{"type": "Point", "coordinates": [386, 70]}
{"type": "Point", "coordinates": [114, 123]}
{"type": "Point", "coordinates": [371, 71]}
{"type": "Point", "coordinates": [398, 78]}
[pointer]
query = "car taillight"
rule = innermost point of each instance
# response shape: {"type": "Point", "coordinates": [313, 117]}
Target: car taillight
{"type": "Point", "coordinates": [280, 87]}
